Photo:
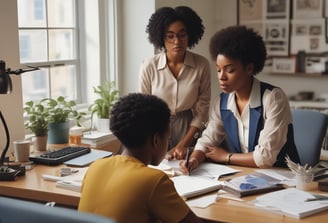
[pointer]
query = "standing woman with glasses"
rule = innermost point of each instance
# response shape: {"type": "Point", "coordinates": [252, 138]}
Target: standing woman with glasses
{"type": "Point", "coordinates": [178, 76]}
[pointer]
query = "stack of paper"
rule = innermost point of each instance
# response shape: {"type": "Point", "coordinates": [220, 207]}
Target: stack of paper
{"type": "Point", "coordinates": [292, 202]}
{"type": "Point", "coordinates": [96, 139]}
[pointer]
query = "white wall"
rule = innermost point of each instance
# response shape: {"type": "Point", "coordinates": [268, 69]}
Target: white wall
{"type": "Point", "coordinates": [11, 104]}
{"type": "Point", "coordinates": [216, 14]}
{"type": "Point", "coordinates": [133, 44]}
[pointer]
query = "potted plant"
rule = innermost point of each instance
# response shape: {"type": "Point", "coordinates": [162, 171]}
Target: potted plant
{"type": "Point", "coordinates": [56, 114]}
{"type": "Point", "coordinates": [37, 123]}
{"type": "Point", "coordinates": [102, 106]}
{"type": "Point", "coordinates": [59, 113]}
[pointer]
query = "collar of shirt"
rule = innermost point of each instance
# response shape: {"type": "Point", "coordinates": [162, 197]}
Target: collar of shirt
{"type": "Point", "coordinates": [188, 61]}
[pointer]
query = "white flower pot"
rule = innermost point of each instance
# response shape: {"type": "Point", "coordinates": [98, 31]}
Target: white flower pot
{"type": "Point", "coordinates": [103, 125]}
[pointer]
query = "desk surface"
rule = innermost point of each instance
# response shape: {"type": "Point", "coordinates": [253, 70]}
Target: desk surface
{"type": "Point", "coordinates": [33, 187]}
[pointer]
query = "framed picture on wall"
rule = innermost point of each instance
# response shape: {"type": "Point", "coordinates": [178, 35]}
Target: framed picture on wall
{"type": "Point", "coordinates": [309, 35]}
{"type": "Point", "coordinates": [250, 10]}
{"type": "Point", "coordinates": [307, 9]}
{"type": "Point", "coordinates": [277, 9]}
{"type": "Point", "coordinates": [283, 65]}
{"type": "Point", "coordinates": [276, 37]}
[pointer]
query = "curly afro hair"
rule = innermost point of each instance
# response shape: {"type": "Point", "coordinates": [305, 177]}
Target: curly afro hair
{"type": "Point", "coordinates": [239, 43]}
{"type": "Point", "coordinates": [163, 17]}
{"type": "Point", "coordinates": [136, 117]}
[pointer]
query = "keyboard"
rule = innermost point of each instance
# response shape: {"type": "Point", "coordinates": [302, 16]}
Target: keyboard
{"type": "Point", "coordinates": [59, 156]}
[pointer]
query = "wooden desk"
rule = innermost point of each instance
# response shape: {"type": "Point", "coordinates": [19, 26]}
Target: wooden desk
{"type": "Point", "coordinates": [225, 210]}
{"type": "Point", "coordinates": [33, 187]}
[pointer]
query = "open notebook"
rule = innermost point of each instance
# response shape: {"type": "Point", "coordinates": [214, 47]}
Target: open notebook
{"type": "Point", "coordinates": [191, 186]}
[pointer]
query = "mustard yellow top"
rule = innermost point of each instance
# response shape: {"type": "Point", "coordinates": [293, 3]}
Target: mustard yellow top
{"type": "Point", "coordinates": [126, 190]}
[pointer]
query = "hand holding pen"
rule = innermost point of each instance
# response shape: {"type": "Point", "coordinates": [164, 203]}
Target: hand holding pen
{"type": "Point", "coordinates": [189, 151]}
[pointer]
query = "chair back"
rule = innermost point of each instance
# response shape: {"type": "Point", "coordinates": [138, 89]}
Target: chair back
{"type": "Point", "coordinates": [310, 128]}
{"type": "Point", "coordinates": [15, 210]}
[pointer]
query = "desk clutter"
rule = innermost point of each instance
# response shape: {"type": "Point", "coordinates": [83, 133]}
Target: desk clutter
{"type": "Point", "coordinates": [96, 138]}
{"type": "Point", "coordinates": [275, 188]}
{"type": "Point", "coordinates": [206, 185]}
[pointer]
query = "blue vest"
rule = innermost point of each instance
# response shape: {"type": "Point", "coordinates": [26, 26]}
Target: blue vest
{"type": "Point", "coordinates": [256, 124]}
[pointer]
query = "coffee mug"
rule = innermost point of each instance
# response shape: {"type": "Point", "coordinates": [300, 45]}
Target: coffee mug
{"type": "Point", "coordinates": [22, 150]}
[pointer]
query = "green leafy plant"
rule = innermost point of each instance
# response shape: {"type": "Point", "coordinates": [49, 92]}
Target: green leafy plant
{"type": "Point", "coordinates": [49, 110]}
{"type": "Point", "coordinates": [60, 110]}
{"type": "Point", "coordinates": [108, 95]}
{"type": "Point", "coordinates": [37, 118]}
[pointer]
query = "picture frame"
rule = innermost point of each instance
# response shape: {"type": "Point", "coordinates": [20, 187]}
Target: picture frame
{"type": "Point", "coordinates": [277, 9]}
{"type": "Point", "coordinates": [309, 35]}
{"type": "Point", "coordinates": [307, 9]}
{"type": "Point", "coordinates": [276, 37]}
{"type": "Point", "coordinates": [284, 65]}
{"type": "Point", "coordinates": [250, 10]}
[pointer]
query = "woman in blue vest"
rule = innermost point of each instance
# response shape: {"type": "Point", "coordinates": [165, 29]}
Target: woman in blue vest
{"type": "Point", "coordinates": [251, 124]}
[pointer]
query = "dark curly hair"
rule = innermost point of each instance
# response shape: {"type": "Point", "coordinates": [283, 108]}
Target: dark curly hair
{"type": "Point", "coordinates": [163, 17]}
{"type": "Point", "coordinates": [137, 116]}
{"type": "Point", "coordinates": [240, 43]}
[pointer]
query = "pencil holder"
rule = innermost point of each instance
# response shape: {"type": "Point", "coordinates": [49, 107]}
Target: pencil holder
{"type": "Point", "coordinates": [304, 181]}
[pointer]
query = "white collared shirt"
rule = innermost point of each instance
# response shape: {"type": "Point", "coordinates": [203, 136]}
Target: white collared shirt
{"type": "Point", "coordinates": [276, 116]}
{"type": "Point", "coordinates": [190, 90]}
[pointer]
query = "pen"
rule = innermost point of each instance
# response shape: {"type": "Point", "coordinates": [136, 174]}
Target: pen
{"type": "Point", "coordinates": [317, 199]}
{"type": "Point", "coordinates": [187, 158]}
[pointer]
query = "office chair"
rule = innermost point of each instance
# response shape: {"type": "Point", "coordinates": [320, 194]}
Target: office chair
{"type": "Point", "coordinates": [15, 210]}
{"type": "Point", "coordinates": [310, 128]}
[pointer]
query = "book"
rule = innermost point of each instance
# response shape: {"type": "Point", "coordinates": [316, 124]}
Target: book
{"type": "Point", "coordinates": [192, 186]}
{"type": "Point", "coordinates": [292, 202]}
{"type": "Point", "coordinates": [95, 138]}
{"type": "Point", "coordinates": [250, 184]}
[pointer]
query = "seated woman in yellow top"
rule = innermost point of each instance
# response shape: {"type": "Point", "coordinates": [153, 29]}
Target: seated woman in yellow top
{"type": "Point", "coordinates": [122, 187]}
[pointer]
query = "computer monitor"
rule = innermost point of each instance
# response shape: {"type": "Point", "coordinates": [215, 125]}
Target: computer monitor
{"type": "Point", "coordinates": [15, 210]}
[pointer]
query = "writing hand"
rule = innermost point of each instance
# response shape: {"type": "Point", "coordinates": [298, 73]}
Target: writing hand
{"type": "Point", "coordinates": [193, 164]}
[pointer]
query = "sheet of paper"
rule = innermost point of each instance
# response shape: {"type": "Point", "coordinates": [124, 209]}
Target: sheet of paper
{"type": "Point", "coordinates": [203, 201]}
{"type": "Point", "coordinates": [209, 170]}
{"type": "Point", "coordinates": [291, 202]}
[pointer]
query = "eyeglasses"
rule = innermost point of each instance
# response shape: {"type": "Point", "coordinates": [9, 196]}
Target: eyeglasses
{"type": "Point", "coordinates": [170, 36]}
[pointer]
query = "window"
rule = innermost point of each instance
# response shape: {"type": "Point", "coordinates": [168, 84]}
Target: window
{"type": "Point", "coordinates": [48, 39]}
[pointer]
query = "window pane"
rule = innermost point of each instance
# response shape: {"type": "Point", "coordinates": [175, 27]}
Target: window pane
{"type": "Point", "coordinates": [35, 85]}
{"type": "Point", "coordinates": [32, 13]}
{"type": "Point", "coordinates": [33, 45]}
{"type": "Point", "coordinates": [63, 81]}
{"type": "Point", "coordinates": [61, 13]}
{"type": "Point", "coordinates": [61, 44]}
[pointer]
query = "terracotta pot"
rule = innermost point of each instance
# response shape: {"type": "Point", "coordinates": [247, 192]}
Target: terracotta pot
{"type": "Point", "coordinates": [40, 143]}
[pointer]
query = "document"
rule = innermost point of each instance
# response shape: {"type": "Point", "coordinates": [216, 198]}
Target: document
{"type": "Point", "coordinates": [208, 170]}
{"type": "Point", "coordinates": [191, 186]}
{"type": "Point", "coordinates": [292, 202]}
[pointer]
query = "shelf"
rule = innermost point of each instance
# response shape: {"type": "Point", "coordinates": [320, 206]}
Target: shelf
{"type": "Point", "coordinates": [318, 105]}
{"type": "Point", "coordinates": [302, 74]}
